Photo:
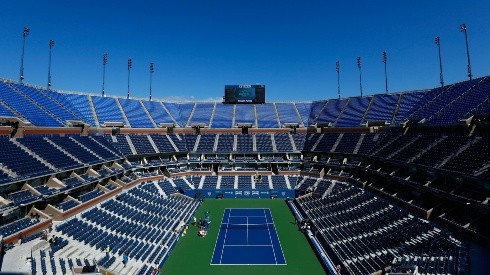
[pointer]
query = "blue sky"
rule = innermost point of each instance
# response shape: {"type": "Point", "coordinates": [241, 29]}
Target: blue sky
{"type": "Point", "coordinates": [199, 46]}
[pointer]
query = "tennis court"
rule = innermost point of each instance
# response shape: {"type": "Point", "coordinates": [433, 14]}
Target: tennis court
{"type": "Point", "coordinates": [247, 236]}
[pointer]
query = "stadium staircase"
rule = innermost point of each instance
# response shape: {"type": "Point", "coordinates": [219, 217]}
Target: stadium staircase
{"type": "Point", "coordinates": [359, 143]}
{"type": "Point", "coordinates": [131, 145]}
{"type": "Point", "coordinates": [143, 107]}
{"type": "Point", "coordinates": [423, 151]}
{"type": "Point", "coordinates": [235, 143]}
{"type": "Point", "coordinates": [277, 115]}
{"type": "Point", "coordinates": [196, 144]}
{"type": "Point", "coordinates": [86, 148]}
{"type": "Point", "coordinates": [189, 119]}
{"type": "Point", "coordinates": [341, 112]}
{"type": "Point", "coordinates": [216, 141]}
{"type": "Point", "coordinates": [34, 155]}
{"type": "Point", "coordinates": [210, 124]}
{"type": "Point", "coordinates": [172, 142]}
{"type": "Point", "coordinates": [397, 108]}
{"type": "Point", "coordinates": [484, 169]}
{"type": "Point", "coordinates": [60, 105]}
{"type": "Point", "coordinates": [464, 101]}
{"type": "Point", "coordinates": [329, 190]}
{"type": "Point", "coordinates": [13, 111]}
{"type": "Point", "coordinates": [317, 141]}
{"type": "Point", "coordinates": [38, 105]}
{"type": "Point", "coordinates": [337, 142]}
{"type": "Point", "coordinates": [233, 116]}
{"type": "Point", "coordinates": [298, 114]}
{"type": "Point", "coordinates": [428, 104]}
{"type": "Point", "coordinates": [315, 119]}
{"type": "Point", "coordinates": [293, 144]}
{"type": "Point", "coordinates": [8, 171]}
{"type": "Point", "coordinates": [160, 190]}
{"type": "Point", "coordinates": [152, 142]}
{"type": "Point", "coordinates": [92, 108]}
{"type": "Point", "coordinates": [256, 117]}
{"type": "Point", "coordinates": [404, 146]}
{"type": "Point", "coordinates": [104, 146]}
{"type": "Point", "coordinates": [367, 110]}
{"type": "Point", "coordinates": [459, 151]}
{"type": "Point", "coordinates": [121, 109]}
{"type": "Point", "coordinates": [382, 147]}
{"type": "Point", "coordinates": [63, 150]}
{"type": "Point", "coordinates": [273, 140]}
{"type": "Point", "coordinates": [170, 114]}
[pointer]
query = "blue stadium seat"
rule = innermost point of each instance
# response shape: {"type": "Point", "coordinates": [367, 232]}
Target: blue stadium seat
{"type": "Point", "coordinates": [135, 113]}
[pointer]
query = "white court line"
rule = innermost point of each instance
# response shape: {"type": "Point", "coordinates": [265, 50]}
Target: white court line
{"type": "Point", "coordinates": [279, 240]}
{"type": "Point", "coordinates": [270, 238]}
{"type": "Point", "coordinates": [224, 241]}
{"type": "Point", "coordinates": [248, 245]}
{"type": "Point", "coordinates": [217, 241]}
{"type": "Point", "coordinates": [248, 217]}
{"type": "Point", "coordinates": [245, 223]}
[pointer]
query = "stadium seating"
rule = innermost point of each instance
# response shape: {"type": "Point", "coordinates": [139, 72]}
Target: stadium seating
{"type": "Point", "coordinates": [348, 143]}
{"type": "Point", "coordinates": [48, 104]}
{"type": "Point", "coordinates": [436, 168]}
{"type": "Point", "coordinates": [304, 112]}
{"type": "Point", "coordinates": [49, 153]}
{"type": "Point", "coordinates": [26, 107]}
{"type": "Point", "coordinates": [17, 226]}
{"type": "Point", "coordinates": [225, 143]}
{"type": "Point", "coordinates": [386, 232]}
{"type": "Point", "coordinates": [382, 108]}
{"type": "Point", "coordinates": [135, 113]}
{"type": "Point", "coordinates": [157, 112]}
{"type": "Point", "coordinates": [244, 143]}
{"type": "Point", "coordinates": [223, 116]}
{"type": "Point", "coordinates": [331, 111]}
{"type": "Point", "coordinates": [263, 142]}
{"type": "Point", "coordinates": [80, 105]}
{"type": "Point", "coordinates": [19, 161]}
{"type": "Point", "coordinates": [206, 143]}
{"type": "Point", "coordinates": [266, 116]}
{"type": "Point", "coordinates": [283, 142]}
{"type": "Point", "coordinates": [354, 112]}
{"type": "Point", "coordinates": [142, 144]}
{"type": "Point", "coordinates": [287, 113]}
{"type": "Point", "coordinates": [107, 109]}
{"type": "Point", "coordinates": [75, 149]}
{"type": "Point", "coordinates": [202, 113]}
{"type": "Point", "coordinates": [244, 113]}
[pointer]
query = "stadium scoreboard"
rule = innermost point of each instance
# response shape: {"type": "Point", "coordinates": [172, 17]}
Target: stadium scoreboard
{"type": "Point", "coordinates": [244, 94]}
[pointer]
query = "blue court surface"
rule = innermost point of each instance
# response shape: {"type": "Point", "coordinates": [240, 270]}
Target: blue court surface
{"type": "Point", "coordinates": [247, 236]}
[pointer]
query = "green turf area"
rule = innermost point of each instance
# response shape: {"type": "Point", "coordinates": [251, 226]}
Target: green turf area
{"type": "Point", "coordinates": [192, 255]}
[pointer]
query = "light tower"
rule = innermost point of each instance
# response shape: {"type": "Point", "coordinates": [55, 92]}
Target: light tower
{"type": "Point", "coordinates": [464, 29]}
{"type": "Point", "coordinates": [104, 63]}
{"type": "Point", "coordinates": [130, 65]}
{"type": "Point", "coordinates": [337, 68]}
{"type": "Point", "coordinates": [441, 77]}
{"type": "Point", "coordinates": [152, 70]}
{"type": "Point", "coordinates": [51, 45]}
{"type": "Point", "coordinates": [25, 33]}
{"type": "Point", "coordinates": [359, 65]}
{"type": "Point", "coordinates": [385, 59]}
